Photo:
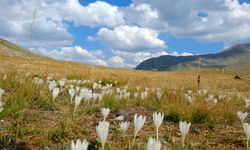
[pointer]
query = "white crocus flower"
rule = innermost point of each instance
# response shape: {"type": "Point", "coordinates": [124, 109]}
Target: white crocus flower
{"type": "Point", "coordinates": [79, 145]}
{"type": "Point", "coordinates": [210, 96]}
{"type": "Point", "coordinates": [55, 93]}
{"type": "Point", "coordinates": [52, 85]}
{"type": "Point", "coordinates": [189, 98]}
{"type": "Point", "coordinates": [94, 96]}
{"type": "Point", "coordinates": [158, 94]}
{"type": "Point", "coordinates": [242, 116]}
{"type": "Point", "coordinates": [215, 101]}
{"type": "Point", "coordinates": [77, 101]}
{"type": "Point", "coordinates": [190, 92]}
{"type": "Point", "coordinates": [72, 93]}
{"type": "Point", "coordinates": [105, 113]}
{"type": "Point", "coordinates": [124, 127]}
{"type": "Point", "coordinates": [153, 144]}
{"type": "Point", "coordinates": [184, 127]}
{"type": "Point", "coordinates": [102, 131]}
{"type": "Point", "coordinates": [138, 123]}
{"type": "Point", "coordinates": [204, 92]}
{"type": "Point", "coordinates": [247, 101]}
{"type": "Point", "coordinates": [246, 128]}
{"type": "Point", "coordinates": [158, 118]}
{"type": "Point", "coordinates": [62, 83]}
{"type": "Point", "coordinates": [144, 95]}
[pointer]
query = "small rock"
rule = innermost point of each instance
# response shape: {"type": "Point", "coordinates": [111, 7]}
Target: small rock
{"type": "Point", "coordinates": [237, 77]}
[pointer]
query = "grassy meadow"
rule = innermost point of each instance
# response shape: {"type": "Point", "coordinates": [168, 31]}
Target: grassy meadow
{"type": "Point", "coordinates": [31, 119]}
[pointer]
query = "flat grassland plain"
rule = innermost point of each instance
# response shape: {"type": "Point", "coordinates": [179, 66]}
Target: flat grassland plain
{"type": "Point", "coordinates": [31, 119]}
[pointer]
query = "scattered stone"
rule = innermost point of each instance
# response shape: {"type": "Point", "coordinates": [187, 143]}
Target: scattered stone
{"type": "Point", "coordinates": [237, 77]}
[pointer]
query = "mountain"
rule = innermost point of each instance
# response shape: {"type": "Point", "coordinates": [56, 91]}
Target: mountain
{"type": "Point", "coordinates": [9, 49]}
{"type": "Point", "coordinates": [233, 58]}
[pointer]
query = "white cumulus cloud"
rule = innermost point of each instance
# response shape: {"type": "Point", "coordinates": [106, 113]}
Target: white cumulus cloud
{"type": "Point", "coordinates": [90, 38]}
{"type": "Point", "coordinates": [131, 39]}
{"type": "Point", "coordinates": [95, 14]}
{"type": "Point", "coordinates": [75, 53]}
{"type": "Point", "coordinates": [226, 21]}
{"type": "Point", "coordinates": [44, 23]}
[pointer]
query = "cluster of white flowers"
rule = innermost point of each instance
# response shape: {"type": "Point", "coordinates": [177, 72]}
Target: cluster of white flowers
{"type": "Point", "coordinates": [90, 95]}
{"type": "Point", "coordinates": [202, 92]}
{"type": "Point", "coordinates": [38, 81]}
{"type": "Point", "coordinates": [102, 130]}
{"type": "Point", "coordinates": [144, 93]}
{"type": "Point", "coordinates": [190, 96]}
{"type": "Point", "coordinates": [246, 126]}
{"type": "Point", "coordinates": [62, 82]}
{"type": "Point", "coordinates": [122, 93]}
{"type": "Point", "coordinates": [212, 99]}
{"type": "Point", "coordinates": [97, 86]}
{"type": "Point", "coordinates": [242, 117]}
{"type": "Point", "coordinates": [78, 93]}
{"type": "Point", "coordinates": [52, 85]}
{"type": "Point", "coordinates": [107, 89]}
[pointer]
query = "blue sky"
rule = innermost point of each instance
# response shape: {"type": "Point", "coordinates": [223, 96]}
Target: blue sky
{"type": "Point", "coordinates": [244, 1]}
{"type": "Point", "coordinates": [122, 33]}
{"type": "Point", "coordinates": [113, 2]}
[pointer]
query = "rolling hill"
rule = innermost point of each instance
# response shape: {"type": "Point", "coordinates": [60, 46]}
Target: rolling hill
{"type": "Point", "coordinates": [233, 58]}
{"type": "Point", "coordinates": [14, 58]}
{"type": "Point", "coordinates": [12, 51]}
{"type": "Point", "coordinates": [9, 49]}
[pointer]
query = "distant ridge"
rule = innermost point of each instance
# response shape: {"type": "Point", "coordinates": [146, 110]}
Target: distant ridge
{"type": "Point", "coordinates": [234, 58]}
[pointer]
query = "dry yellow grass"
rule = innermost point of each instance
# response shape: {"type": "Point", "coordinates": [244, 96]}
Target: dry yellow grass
{"type": "Point", "coordinates": [38, 128]}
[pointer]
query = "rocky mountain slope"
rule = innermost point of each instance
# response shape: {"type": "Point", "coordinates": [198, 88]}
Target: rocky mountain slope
{"type": "Point", "coordinates": [234, 58]}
